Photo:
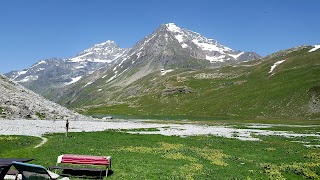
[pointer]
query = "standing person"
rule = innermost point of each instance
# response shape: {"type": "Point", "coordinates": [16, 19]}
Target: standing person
{"type": "Point", "coordinates": [67, 127]}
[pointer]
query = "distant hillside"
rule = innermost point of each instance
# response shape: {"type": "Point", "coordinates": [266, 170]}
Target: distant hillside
{"type": "Point", "coordinates": [284, 85]}
{"type": "Point", "coordinates": [16, 102]}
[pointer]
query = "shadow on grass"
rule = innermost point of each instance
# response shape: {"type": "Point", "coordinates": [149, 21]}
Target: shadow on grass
{"type": "Point", "coordinates": [87, 174]}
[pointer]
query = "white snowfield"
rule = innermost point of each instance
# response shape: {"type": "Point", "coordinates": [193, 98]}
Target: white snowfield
{"type": "Point", "coordinates": [275, 65]}
{"type": "Point", "coordinates": [316, 47]}
{"type": "Point", "coordinates": [41, 127]}
{"type": "Point", "coordinates": [74, 80]}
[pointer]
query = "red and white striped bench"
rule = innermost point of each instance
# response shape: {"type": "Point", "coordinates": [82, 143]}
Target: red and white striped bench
{"type": "Point", "coordinates": [68, 159]}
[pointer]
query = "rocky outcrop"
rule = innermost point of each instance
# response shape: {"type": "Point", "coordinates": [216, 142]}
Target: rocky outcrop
{"type": "Point", "coordinates": [314, 103]}
{"type": "Point", "coordinates": [16, 102]}
{"type": "Point", "coordinates": [175, 90]}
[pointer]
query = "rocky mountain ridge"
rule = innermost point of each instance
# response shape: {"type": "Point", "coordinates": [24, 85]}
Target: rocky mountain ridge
{"type": "Point", "coordinates": [54, 73]}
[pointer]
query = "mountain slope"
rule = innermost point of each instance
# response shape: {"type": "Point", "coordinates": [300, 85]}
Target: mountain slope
{"type": "Point", "coordinates": [170, 47]}
{"type": "Point", "coordinates": [166, 49]}
{"type": "Point", "coordinates": [285, 85]}
{"type": "Point", "coordinates": [17, 102]}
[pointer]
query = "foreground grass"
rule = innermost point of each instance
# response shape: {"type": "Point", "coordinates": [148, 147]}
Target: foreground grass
{"type": "Point", "coordinates": [161, 157]}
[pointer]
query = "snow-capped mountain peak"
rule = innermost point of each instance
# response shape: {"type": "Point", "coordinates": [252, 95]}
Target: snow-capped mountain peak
{"type": "Point", "coordinates": [53, 73]}
{"type": "Point", "coordinates": [173, 28]}
{"type": "Point", "coordinates": [105, 52]}
{"type": "Point", "coordinates": [214, 51]}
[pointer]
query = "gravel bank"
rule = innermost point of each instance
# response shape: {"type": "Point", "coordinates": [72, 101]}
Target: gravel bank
{"type": "Point", "coordinates": [41, 127]}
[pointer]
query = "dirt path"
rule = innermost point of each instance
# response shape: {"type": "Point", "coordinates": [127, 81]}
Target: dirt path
{"type": "Point", "coordinates": [44, 140]}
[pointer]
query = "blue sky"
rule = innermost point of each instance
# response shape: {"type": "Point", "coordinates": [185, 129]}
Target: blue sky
{"type": "Point", "coordinates": [31, 30]}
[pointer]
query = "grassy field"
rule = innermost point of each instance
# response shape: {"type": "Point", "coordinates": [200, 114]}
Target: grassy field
{"type": "Point", "coordinates": [137, 156]}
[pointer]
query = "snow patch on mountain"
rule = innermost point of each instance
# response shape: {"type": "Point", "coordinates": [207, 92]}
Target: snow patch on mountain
{"type": "Point", "coordinates": [79, 58]}
{"type": "Point", "coordinates": [22, 72]}
{"type": "Point", "coordinates": [275, 65]}
{"type": "Point", "coordinates": [184, 45]}
{"type": "Point", "coordinates": [116, 75]}
{"type": "Point", "coordinates": [76, 79]}
{"type": "Point", "coordinates": [216, 58]}
{"type": "Point", "coordinates": [207, 46]}
{"type": "Point", "coordinates": [122, 61]}
{"type": "Point", "coordinates": [80, 67]}
{"type": "Point", "coordinates": [179, 37]}
{"type": "Point", "coordinates": [205, 43]}
{"type": "Point", "coordinates": [88, 84]}
{"type": "Point", "coordinates": [163, 72]}
{"type": "Point", "coordinates": [28, 78]}
{"type": "Point", "coordinates": [40, 69]}
{"type": "Point", "coordinates": [118, 55]}
{"type": "Point", "coordinates": [236, 56]}
{"type": "Point", "coordinates": [138, 55]}
{"type": "Point", "coordinates": [40, 62]}
{"type": "Point", "coordinates": [316, 47]}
